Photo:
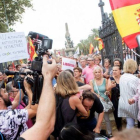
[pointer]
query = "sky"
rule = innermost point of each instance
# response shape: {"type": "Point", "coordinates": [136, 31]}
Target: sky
{"type": "Point", "coordinates": [49, 18]}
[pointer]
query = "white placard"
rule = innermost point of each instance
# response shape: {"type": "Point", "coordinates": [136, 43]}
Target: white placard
{"type": "Point", "coordinates": [68, 64]}
{"type": "Point", "coordinates": [13, 46]}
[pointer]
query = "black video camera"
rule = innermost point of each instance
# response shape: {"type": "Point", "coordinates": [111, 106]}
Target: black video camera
{"type": "Point", "coordinates": [19, 79]}
{"type": "Point", "coordinates": [42, 45]}
{"type": "Point", "coordinates": [41, 49]}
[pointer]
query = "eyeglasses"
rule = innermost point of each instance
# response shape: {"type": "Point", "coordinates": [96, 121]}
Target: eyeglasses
{"type": "Point", "coordinates": [76, 71]}
{"type": "Point", "coordinates": [14, 91]}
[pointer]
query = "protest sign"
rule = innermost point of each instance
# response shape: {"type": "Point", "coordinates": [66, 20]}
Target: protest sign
{"type": "Point", "coordinates": [68, 64]}
{"type": "Point", "coordinates": [13, 46]}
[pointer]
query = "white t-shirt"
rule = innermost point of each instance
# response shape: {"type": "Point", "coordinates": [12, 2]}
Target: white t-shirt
{"type": "Point", "coordinates": [10, 120]}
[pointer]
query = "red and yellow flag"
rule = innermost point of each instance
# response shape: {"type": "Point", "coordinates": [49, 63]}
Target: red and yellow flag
{"type": "Point", "coordinates": [127, 17]}
{"type": "Point", "coordinates": [91, 48]}
{"type": "Point", "coordinates": [21, 61]}
{"type": "Point", "coordinates": [32, 52]}
{"type": "Point", "coordinates": [101, 44]}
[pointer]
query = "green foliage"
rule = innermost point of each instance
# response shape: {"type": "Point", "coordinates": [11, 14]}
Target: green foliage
{"type": "Point", "coordinates": [85, 44]}
{"type": "Point", "coordinates": [14, 11]}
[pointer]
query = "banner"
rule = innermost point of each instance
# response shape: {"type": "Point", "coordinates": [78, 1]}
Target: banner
{"type": "Point", "coordinates": [127, 17]}
{"type": "Point", "coordinates": [13, 46]}
{"type": "Point", "coordinates": [68, 64]}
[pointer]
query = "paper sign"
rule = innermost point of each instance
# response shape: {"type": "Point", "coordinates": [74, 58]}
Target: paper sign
{"type": "Point", "coordinates": [68, 64]}
{"type": "Point", "coordinates": [13, 46]}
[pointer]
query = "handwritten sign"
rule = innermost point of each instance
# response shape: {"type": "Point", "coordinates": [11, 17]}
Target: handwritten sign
{"type": "Point", "coordinates": [13, 46]}
{"type": "Point", "coordinates": [68, 64]}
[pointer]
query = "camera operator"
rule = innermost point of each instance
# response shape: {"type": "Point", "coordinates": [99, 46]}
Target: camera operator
{"type": "Point", "coordinates": [46, 110]}
{"type": "Point", "coordinates": [13, 121]}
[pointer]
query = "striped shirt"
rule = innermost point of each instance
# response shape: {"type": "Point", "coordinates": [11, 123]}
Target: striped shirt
{"type": "Point", "coordinates": [128, 86]}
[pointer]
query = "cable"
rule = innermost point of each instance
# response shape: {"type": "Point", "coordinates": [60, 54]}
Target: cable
{"type": "Point", "coordinates": [1, 136]}
{"type": "Point", "coordinates": [20, 94]}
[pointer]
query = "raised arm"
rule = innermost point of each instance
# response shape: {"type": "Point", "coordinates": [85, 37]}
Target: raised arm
{"type": "Point", "coordinates": [15, 102]}
{"type": "Point", "coordinates": [46, 110]}
{"type": "Point", "coordinates": [85, 87]}
{"type": "Point", "coordinates": [75, 102]}
{"type": "Point", "coordinates": [110, 85]}
{"type": "Point", "coordinates": [91, 84]}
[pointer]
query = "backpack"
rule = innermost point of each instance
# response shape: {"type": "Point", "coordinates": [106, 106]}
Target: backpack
{"type": "Point", "coordinates": [59, 123]}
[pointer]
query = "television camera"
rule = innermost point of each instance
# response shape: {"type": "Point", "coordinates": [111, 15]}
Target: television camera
{"type": "Point", "coordinates": [42, 44]}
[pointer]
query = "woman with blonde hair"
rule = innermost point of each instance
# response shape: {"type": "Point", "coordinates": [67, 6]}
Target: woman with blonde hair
{"type": "Point", "coordinates": [99, 87]}
{"type": "Point", "coordinates": [97, 59]}
{"type": "Point", "coordinates": [71, 104]}
{"type": "Point", "coordinates": [128, 86]}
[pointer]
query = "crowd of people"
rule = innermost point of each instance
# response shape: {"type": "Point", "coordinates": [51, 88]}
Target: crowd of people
{"type": "Point", "coordinates": [73, 103]}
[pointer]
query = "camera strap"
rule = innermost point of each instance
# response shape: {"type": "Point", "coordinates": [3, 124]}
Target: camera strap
{"type": "Point", "coordinates": [20, 95]}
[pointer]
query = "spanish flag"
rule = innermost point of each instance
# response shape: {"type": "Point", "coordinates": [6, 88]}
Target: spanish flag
{"type": "Point", "coordinates": [91, 48]}
{"type": "Point", "coordinates": [21, 61]}
{"type": "Point", "coordinates": [101, 44]}
{"type": "Point", "coordinates": [32, 52]}
{"type": "Point", "coordinates": [127, 17]}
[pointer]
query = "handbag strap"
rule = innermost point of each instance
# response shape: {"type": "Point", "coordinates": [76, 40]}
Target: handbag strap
{"type": "Point", "coordinates": [97, 87]}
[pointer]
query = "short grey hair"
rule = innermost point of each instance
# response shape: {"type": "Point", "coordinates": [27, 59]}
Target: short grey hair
{"type": "Point", "coordinates": [9, 87]}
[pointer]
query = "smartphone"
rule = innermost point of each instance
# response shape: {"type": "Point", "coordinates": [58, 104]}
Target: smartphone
{"type": "Point", "coordinates": [113, 81]}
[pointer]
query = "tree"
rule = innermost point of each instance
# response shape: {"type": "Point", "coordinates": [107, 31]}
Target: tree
{"type": "Point", "coordinates": [85, 44]}
{"type": "Point", "coordinates": [14, 11]}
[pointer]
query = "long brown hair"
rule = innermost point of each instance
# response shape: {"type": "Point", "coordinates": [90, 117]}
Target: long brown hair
{"type": "Point", "coordinates": [66, 85]}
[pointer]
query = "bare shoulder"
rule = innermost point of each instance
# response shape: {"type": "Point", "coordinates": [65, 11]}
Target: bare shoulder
{"type": "Point", "coordinates": [74, 99]}
{"type": "Point", "coordinates": [90, 81]}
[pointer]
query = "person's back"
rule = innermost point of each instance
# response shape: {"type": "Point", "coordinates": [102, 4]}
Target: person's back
{"type": "Point", "coordinates": [75, 132]}
{"type": "Point", "coordinates": [69, 115]}
{"type": "Point", "coordinates": [13, 123]}
{"type": "Point", "coordinates": [128, 86]}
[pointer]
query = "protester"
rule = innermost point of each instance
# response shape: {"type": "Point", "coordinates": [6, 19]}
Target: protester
{"type": "Point", "coordinates": [88, 71]}
{"type": "Point", "coordinates": [13, 121]}
{"type": "Point", "coordinates": [81, 86]}
{"type": "Point", "coordinates": [107, 68]}
{"type": "Point", "coordinates": [113, 86]}
{"type": "Point", "coordinates": [97, 60]}
{"type": "Point", "coordinates": [118, 62]}
{"type": "Point", "coordinates": [128, 86]}
{"type": "Point", "coordinates": [136, 99]}
{"type": "Point", "coordinates": [92, 104]}
{"type": "Point", "coordinates": [12, 92]}
{"type": "Point", "coordinates": [18, 67]}
{"type": "Point", "coordinates": [83, 62]}
{"type": "Point", "coordinates": [77, 74]}
{"type": "Point", "coordinates": [67, 100]}
{"type": "Point", "coordinates": [99, 87]}
{"type": "Point", "coordinates": [67, 89]}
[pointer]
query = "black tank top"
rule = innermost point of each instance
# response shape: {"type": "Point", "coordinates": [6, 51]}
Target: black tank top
{"type": "Point", "coordinates": [115, 94]}
{"type": "Point", "coordinates": [69, 115]}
